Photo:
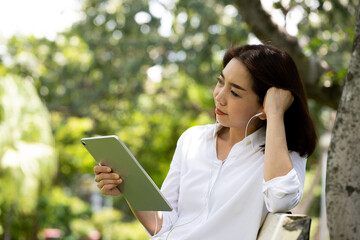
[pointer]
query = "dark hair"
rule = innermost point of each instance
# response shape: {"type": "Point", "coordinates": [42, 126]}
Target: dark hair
{"type": "Point", "coordinates": [272, 67]}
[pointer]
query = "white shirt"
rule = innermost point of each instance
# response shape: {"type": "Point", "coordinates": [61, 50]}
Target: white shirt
{"type": "Point", "coordinates": [214, 200]}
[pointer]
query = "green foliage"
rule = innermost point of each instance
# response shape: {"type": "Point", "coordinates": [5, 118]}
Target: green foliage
{"type": "Point", "coordinates": [73, 158]}
{"type": "Point", "coordinates": [27, 154]}
{"type": "Point", "coordinates": [109, 221]}
{"type": "Point", "coordinates": [56, 209]}
{"type": "Point", "coordinates": [73, 217]}
{"type": "Point", "coordinates": [327, 28]}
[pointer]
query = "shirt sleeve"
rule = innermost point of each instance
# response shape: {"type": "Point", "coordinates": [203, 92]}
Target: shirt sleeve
{"type": "Point", "coordinates": [171, 185]}
{"type": "Point", "coordinates": [283, 193]}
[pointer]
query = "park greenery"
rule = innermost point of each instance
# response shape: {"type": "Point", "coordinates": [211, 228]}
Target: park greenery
{"type": "Point", "coordinates": [120, 71]}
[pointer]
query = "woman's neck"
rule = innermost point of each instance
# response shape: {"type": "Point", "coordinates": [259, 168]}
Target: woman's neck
{"type": "Point", "coordinates": [231, 136]}
{"type": "Point", "coordinates": [234, 135]}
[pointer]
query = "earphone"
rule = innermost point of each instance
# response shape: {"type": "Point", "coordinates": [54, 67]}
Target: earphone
{"type": "Point", "coordinates": [256, 115]}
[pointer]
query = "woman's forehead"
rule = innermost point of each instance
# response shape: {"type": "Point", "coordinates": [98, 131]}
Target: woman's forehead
{"type": "Point", "coordinates": [236, 72]}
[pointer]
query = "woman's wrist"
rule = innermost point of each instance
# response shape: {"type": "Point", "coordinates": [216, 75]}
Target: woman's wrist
{"type": "Point", "coordinates": [274, 116]}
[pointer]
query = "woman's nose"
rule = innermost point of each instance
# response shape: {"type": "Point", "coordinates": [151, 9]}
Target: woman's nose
{"type": "Point", "coordinates": [220, 97]}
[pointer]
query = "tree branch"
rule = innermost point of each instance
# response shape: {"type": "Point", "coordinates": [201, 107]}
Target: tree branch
{"type": "Point", "coordinates": [310, 69]}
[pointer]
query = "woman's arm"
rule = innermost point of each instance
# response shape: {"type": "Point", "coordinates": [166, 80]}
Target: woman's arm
{"type": "Point", "coordinates": [108, 182]}
{"type": "Point", "coordinates": [277, 160]}
{"type": "Point", "coordinates": [284, 173]}
{"type": "Point", "coordinates": [147, 219]}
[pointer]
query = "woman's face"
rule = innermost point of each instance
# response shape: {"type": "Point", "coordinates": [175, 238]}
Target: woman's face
{"type": "Point", "coordinates": [234, 98]}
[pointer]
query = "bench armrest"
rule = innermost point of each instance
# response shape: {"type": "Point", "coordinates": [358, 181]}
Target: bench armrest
{"type": "Point", "coordinates": [285, 226]}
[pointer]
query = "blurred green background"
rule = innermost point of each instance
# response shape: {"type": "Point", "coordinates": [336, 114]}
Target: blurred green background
{"type": "Point", "coordinates": [119, 70]}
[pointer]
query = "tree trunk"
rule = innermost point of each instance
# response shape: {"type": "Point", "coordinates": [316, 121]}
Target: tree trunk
{"type": "Point", "coordinates": [343, 169]}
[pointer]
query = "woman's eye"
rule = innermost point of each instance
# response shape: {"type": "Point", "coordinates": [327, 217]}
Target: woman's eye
{"type": "Point", "coordinates": [219, 80]}
{"type": "Point", "coordinates": [234, 94]}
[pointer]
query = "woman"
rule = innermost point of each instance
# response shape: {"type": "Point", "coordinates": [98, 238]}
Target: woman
{"type": "Point", "coordinates": [225, 177]}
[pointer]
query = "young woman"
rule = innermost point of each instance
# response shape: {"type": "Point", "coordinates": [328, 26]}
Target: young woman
{"type": "Point", "coordinates": [225, 177]}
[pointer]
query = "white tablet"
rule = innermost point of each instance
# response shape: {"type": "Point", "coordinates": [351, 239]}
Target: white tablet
{"type": "Point", "coordinates": [137, 187]}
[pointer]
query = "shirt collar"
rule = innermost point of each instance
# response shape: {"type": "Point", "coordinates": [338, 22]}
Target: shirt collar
{"type": "Point", "coordinates": [217, 128]}
{"type": "Point", "coordinates": [257, 138]}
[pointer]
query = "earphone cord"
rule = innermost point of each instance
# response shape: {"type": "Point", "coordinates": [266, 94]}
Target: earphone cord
{"type": "Point", "coordinates": [156, 224]}
{"type": "Point", "coordinates": [256, 115]}
{"type": "Point", "coordinates": [205, 205]}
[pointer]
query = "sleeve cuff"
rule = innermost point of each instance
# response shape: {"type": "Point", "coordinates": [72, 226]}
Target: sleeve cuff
{"type": "Point", "coordinates": [281, 186]}
{"type": "Point", "coordinates": [282, 193]}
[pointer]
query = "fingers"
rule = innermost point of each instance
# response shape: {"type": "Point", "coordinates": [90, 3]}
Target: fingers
{"type": "Point", "coordinates": [287, 98]}
{"type": "Point", "coordinates": [109, 183]}
{"type": "Point", "coordinates": [101, 169]}
{"type": "Point", "coordinates": [106, 176]}
{"type": "Point", "coordinates": [277, 100]}
{"type": "Point", "coordinates": [110, 189]}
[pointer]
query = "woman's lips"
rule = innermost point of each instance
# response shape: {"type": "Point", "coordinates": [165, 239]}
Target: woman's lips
{"type": "Point", "coordinates": [219, 112]}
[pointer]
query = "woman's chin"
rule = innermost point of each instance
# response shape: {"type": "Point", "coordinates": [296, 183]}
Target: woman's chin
{"type": "Point", "coordinates": [221, 121]}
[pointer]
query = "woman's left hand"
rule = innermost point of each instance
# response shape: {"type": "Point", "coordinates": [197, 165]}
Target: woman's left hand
{"type": "Point", "coordinates": [277, 101]}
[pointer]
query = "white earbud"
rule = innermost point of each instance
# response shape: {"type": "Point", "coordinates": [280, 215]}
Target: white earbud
{"type": "Point", "coordinates": [258, 114]}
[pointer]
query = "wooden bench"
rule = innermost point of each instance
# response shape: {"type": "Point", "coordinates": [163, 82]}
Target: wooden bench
{"type": "Point", "coordinates": [285, 226]}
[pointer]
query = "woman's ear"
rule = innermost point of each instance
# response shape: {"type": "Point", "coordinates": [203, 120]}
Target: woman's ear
{"type": "Point", "coordinates": [262, 116]}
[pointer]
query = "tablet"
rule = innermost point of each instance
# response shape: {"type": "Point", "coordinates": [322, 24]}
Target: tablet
{"type": "Point", "coordinates": [137, 187]}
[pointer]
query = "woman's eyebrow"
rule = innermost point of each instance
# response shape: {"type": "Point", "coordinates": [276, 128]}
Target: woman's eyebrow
{"type": "Point", "coordinates": [232, 84]}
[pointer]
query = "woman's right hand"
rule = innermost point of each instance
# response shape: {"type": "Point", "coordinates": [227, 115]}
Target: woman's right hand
{"type": "Point", "coordinates": [107, 181]}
